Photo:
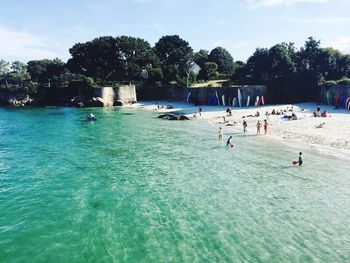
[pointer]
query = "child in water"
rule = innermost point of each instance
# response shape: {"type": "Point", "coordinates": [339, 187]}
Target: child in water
{"type": "Point", "coordinates": [245, 126]}
{"type": "Point", "coordinates": [265, 126]}
{"type": "Point", "coordinates": [301, 158]}
{"type": "Point", "coordinates": [258, 126]}
{"type": "Point", "coordinates": [229, 142]}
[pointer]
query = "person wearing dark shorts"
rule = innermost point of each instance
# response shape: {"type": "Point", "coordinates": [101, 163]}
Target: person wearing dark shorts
{"type": "Point", "coordinates": [300, 158]}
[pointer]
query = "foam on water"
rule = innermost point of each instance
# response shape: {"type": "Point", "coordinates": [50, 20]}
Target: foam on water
{"type": "Point", "coordinates": [134, 188]}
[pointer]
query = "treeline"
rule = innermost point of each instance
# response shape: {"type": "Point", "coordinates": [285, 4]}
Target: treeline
{"type": "Point", "coordinates": [293, 75]}
{"type": "Point", "coordinates": [290, 74]}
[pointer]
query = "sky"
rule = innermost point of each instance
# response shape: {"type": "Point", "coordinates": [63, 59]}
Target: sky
{"type": "Point", "coordinates": [38, 29]}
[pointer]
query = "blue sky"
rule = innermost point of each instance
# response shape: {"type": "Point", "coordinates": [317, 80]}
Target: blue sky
{"type": "Point", "coordinates": [38, 29]}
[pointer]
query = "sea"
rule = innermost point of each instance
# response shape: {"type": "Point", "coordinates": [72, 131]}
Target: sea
{"type": "Point", "coordinates": [130, 187]}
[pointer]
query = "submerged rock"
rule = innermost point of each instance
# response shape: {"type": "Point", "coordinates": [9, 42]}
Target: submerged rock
{"type": "Point", "coordinates": [173, 117]}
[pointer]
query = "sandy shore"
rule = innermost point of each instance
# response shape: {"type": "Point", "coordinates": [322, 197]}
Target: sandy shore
{"type": "Point", "coordinates": [335, 134]}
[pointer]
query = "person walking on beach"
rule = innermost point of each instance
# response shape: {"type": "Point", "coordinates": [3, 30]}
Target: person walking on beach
{"type": "Point", "coordinates": [301, 159]}
{"type": "Point", "coordinates": [245, 125]}
{"type": "Point", "coordinates": [265, 126]}
{"type": "Point", "coordinates": [221, 134]}
{"type": "Point", "coordinates": [200, 111]}
{"type": "Point", "coordinates": [258, 127]}
{"type": "Point", "coordinates": [229, 142]}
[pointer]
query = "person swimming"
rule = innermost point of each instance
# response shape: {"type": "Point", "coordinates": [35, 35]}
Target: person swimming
{"type": "Point", "coordinates": [91, 117]}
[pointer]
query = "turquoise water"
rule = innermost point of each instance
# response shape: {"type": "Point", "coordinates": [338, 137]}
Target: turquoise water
{"type": "Point", "coordinates": [133, 188]}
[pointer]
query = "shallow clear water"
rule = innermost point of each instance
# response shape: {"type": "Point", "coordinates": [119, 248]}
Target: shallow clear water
{"type": "Point", "coordinates": [133, 188]}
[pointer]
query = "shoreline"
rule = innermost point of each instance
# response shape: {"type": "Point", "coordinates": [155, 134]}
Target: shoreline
{"type": "Point", "coordinates": [332, 139]}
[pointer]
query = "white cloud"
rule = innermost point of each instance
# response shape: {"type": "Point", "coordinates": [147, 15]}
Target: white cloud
{"type": "Point", "coordinates": [342, 43]}
{"type": "Point", "coordinates": [17, 45]}
{"type": "Point", "coordinates": [324, 21]}
{"type": "Point", "coordinates": [256, 3]}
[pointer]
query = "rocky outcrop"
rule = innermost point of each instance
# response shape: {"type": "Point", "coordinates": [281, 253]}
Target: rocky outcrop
{"type": "Point", "coordinates": [173, 117]}
{"type": "Point", "coordinates": [119, 103]}
{"type": "Point", "coordinates": [96, 102]}
{"type": "Point", "coordinates": [18, 100]}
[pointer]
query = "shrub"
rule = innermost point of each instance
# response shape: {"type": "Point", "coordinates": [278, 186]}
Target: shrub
{"type": "Point", "coordinates": [344, 81]}
{"type": "Point", "coordinates": [330, 83]}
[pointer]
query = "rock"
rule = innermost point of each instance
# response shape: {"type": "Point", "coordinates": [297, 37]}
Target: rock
{"type": "Point", "coordinates": [80, 104]}
{"type": "Point", "coordinates": [27, 101]}
{"type": "Point", "coordinates": [15, 103]}
{"type": "Point", "coordinates": [119, 103]}
{"type": "Point", "coordinates": [173, 117]}
{"type": "Point", "coordinates": [96, 102]}
{"type": "Point", "coordinates": [183, 117]}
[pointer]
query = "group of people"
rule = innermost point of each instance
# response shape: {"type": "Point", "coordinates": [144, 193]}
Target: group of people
{"type": "Point", "coordinates": [230, 144]}
{"type": "Point", "coordinates": [281, 111]}
{"type": "Point", "coordinates": [318, 113]}
{"type": "Point", "coordinates": [258, 126]}
{"type": "Point", "coordinates": [195, 114]}
{"type": "Point", "coordinates": [169, 106]}
{"type": "Point", "coordinates": [245, 129]}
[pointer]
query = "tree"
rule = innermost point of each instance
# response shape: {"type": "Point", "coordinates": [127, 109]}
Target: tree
{"type": "Point", "coordinates": [98, 59]}
{"type": "Point", "coordinates": [174, 54]}
{"type": "Point", "coordinates": [201, 57]}
{"type": "Point", "coordinates": [344, 65]}
{"type": "Point", "coordinates": [108, 59]}
{"type": "Point", "coordinates": [134, 55]}
{"type": "Point", "coordinates": [281, 71]}
{"type": "Point", "coordinates": [20, 72]}
{"type": "Point", "coordinates": [4, 68]}
{"type": "Point", "coordinates": [44, 71]}
{"type": "Point", "coordinates": [239, 73]}
{"type": "Point", "coordinates": [155, 75]}
{"type": "Point", "coordinates": [210, 70]}
{"type": "Point", "coordinates": [223, 59]}
{"type": "Point", "coordinates": [257, 67]}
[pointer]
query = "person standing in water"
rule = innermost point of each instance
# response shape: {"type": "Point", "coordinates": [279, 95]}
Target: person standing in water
{"type": "Point", "coordinates": [229, 142]}
{"type": "Point", "coordinates": [245, 125]}
{"type": "Point", "coordinates": [301, 159]}
{"type": "Point", "coordinates": [265, 126]}
{"type": "Point", "coordinates": [258, 127]}
{"type": "Point", "coordinates": [221, 134]}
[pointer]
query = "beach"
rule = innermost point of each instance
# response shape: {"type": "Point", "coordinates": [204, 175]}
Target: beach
{"type": "Point", "coordinates": [335, 134]}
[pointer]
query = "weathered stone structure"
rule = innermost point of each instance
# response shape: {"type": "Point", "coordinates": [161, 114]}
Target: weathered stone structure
{"type": "Point", "coordinates": [124, 94]}
{"type": "Point", "coordinates": [342, 90]}
{"type": "Point", "coordinates": [200, 95]}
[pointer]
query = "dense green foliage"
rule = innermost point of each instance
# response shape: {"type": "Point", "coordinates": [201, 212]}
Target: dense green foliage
{"type": "Point", "coordinates": [290, 74]}
{"type": "Point", "coordinates": [175, 56]}
{"type": "Point", "coordinates": [293, 75]}
{"type": "Point", "coordinates": [221, 57]}
{"type": "Point", "coordinates": [344, 81]}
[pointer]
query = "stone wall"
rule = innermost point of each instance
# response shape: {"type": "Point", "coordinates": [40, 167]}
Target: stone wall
{"type": "Point", "coordinates": [126, 93]}
{"type": "Point", "coordinates": [200, 95]}
{"type": "Point", "coordinates": [342, 90]}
